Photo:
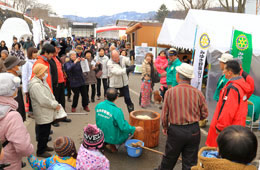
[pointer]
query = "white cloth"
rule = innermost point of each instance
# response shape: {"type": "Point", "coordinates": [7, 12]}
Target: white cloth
{"type": "Point", "coordinates": [27, 73]}
{"type": "Point", "coordinates": [117, 72]}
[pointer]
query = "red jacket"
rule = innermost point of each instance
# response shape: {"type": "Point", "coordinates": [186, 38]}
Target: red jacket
{"type": "Point", "coordinates": [44, 61]}
{"type": "Point", "coordinates": [250, 81]}
{"type": "Point", "coordinates": [231, 108]}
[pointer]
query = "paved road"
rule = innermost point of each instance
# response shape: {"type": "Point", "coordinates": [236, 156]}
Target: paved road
{"type": "Point", "coordinates": [120, 160]}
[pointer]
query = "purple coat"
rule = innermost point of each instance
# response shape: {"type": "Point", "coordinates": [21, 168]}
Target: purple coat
{"type": "Point", "coordinates": [75, 74]}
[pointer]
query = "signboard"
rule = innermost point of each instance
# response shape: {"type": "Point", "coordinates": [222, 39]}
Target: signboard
{"type": "Point", "coordinates": [140, 53]}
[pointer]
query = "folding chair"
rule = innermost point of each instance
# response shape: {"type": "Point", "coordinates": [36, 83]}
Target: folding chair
{"type": "Point", "coordinates": [250, 122]}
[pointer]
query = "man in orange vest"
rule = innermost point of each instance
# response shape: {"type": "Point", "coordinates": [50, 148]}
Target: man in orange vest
{"type": "Point", "coordinates": [46, 54]}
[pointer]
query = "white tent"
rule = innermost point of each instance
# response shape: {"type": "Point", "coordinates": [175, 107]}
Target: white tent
{"type": "Point", "coordinates": [219, 26]}
{"type": "Point", "coordinates": [14, 27]}
{"type": "Point", "coordinates": [63, 32]}
{"type": "Point", "coordinates": [169, 30]}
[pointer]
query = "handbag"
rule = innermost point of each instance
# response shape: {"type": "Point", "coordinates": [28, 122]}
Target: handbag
{"type": "Point", "coordinates": [99, 71]}
{"type": "Point", "coordinates": [156, 77]}
{"type": "Point", "coordinates": [99, 74]}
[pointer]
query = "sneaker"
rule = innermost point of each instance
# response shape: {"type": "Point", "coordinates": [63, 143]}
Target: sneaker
{"type": "Point", "coordinates": [86, 109]}
{"type": "Point", "coordinates": [23, 164]}
{"type": "Point", "coordinates": [49, 138]}
{"type": "Point", "coordinates": [44, 155]}
{"type": "Point", "coordinates": [66, 120]}
{"type": "Point", "coordinates": [51, 132]}
{"type": "Point", "coordinates": [93, 100]}
{"type": "Point", "coordinates": [49, 149]}
{"type": "Point", "coordinates": [73, 110]}
{"type": "Point", "coordinates": [55, 124]}
{"type": "Point", "coordinates": [69, 100]}
{"type": "Point", "coordinates": [98, 98]}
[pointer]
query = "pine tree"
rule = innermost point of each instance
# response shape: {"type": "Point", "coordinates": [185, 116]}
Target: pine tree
{"type": "Point", "coordinates": [162, 13]}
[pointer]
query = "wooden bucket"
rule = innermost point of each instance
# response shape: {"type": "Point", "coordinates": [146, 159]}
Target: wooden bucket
{"type": "Point", "coordinates": [150, 135]}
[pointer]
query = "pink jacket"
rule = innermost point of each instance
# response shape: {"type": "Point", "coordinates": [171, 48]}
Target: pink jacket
{"type": "Point", "coordinates": [161, 62]}
{"type": "Point", "coordinates": [13, 130]}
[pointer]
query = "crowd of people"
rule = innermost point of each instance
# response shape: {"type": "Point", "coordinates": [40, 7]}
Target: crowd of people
{"type": "Point", "coordinates": [56, 68]}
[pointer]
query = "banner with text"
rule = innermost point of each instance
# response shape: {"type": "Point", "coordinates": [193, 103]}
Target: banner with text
{"type": "Point", "coordinates": [242, 48]}
{"type": "Point", "coordinates": [202, 45]}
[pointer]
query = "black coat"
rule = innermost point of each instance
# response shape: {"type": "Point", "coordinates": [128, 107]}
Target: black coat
{"type": "Point", "coordinates": [3, 48]}
{"type": "Point", "coordinates": [54, 73]}
{"type": "Point", "coordinates": [20, 101]}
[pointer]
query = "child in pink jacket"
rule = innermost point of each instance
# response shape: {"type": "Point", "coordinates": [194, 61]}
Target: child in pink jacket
{"type": "Point", "coordinates": [161, 64]}
{"type": "Point", "coordinates": [12, 128]}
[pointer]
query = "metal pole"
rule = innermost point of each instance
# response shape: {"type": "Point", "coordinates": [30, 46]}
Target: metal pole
{"type": "Point", "coordinates": [193, 50]}
{"type": "Point", "coordinates": [231, 43]}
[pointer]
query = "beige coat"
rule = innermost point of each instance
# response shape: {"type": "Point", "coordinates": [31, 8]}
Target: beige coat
{"type": "Point", "coordinates": [43, 101]}
{"type": "Point", "coordinates": [146, 68]}
{"type": "Point", "coordinates": [218, 164]}
{"type": "Point", "coordinates": [2, 66]}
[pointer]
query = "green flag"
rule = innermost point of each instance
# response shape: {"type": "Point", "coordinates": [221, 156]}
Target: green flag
{"type": "Point", "coordinates": [242, 48]}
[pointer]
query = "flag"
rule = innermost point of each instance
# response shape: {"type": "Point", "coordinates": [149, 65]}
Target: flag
{"type": "Point", "coordinates": [242, 48]}
{"type": "Point", "coordinates": [201, 46]}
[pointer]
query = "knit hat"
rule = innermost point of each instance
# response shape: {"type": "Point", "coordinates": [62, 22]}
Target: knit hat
{"type": "Point", "coordinates": [9, 84]}
{"type": "Point", "coordinates": [64, 146]}
{"type": "Point", "coordinates": [93, 137]}
{"type": "Point", "coordinates": [5, 52]}
{"type": "Point", "coordinates": [12, 61]}
{"type": "Point", "coordinates": [39, 69]}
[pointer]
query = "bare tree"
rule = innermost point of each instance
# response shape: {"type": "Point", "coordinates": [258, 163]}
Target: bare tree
{"type": "Point", "coordinates": [233, 5]}
{"type": "Point", "coordinates": [22, 5]}
{"type": "Point", "coordinates": [194, 4]}
{"type": "Point", "coordinates": [25, 4]}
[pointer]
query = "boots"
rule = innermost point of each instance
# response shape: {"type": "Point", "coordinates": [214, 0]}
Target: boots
{"type": "Point", "coordinates": [130, 108]}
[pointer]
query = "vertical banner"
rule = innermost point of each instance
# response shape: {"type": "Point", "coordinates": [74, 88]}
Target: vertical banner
{"type": "Point", "coordinates": [242, 48]}
{"type": "Point", "coordinates": [202, 45]}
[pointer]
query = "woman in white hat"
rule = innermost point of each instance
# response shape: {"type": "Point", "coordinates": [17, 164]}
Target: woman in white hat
{"type": "Point", "coordinates": [14, 136]}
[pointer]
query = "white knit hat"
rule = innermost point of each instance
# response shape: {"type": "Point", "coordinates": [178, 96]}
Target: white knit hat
{"type": "Point", "coordinates": [9, 84]}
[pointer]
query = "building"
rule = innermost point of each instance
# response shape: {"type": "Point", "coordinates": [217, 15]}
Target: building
{"type": "Point", "coordinates": [80, 29]}
{"type": "Point", "coordinates": [143, 32]}
{"type": "Point", "coordinates": [113, 32]}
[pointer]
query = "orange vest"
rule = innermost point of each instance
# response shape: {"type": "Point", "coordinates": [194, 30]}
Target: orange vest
{"type": "Point", "coordinates": [41, 60]}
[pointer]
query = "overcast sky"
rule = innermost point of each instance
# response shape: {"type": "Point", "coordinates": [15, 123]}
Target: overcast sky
{"type": "Point", "coordinates": [90, 8]}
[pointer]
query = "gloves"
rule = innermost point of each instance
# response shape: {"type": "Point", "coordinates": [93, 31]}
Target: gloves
{"type": "Point", "coordinates": [130, 69]}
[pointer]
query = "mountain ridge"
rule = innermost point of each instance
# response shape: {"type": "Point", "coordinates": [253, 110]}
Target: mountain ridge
{"type": "Point", "coordinates": [105, 20]}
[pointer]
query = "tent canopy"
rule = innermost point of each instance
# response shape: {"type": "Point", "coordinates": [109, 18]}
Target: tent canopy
{"type": "Point", "coordinates": [169, 30]}
{"type": "Point", "coordinates": [219, 26]}
{"type": "Point", "coordinates": [14, 27]}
